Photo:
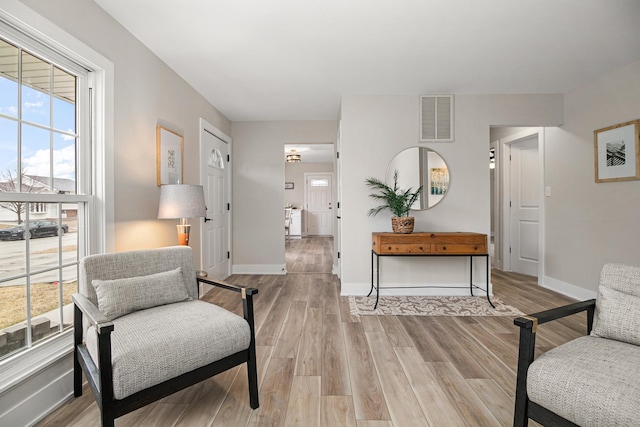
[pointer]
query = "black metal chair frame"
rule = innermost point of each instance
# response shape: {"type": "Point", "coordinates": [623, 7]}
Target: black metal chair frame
{"type": "Point", "coordinates": [100, 377]}
{"type": "Point", "coordinates": [524, 408]}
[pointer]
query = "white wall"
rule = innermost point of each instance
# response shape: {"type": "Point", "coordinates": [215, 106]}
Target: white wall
{"type": "Point", "coordinates": [147, 92]}
{"type": "Point", "coordinates": [589, 224]}
{"type": "Point", "coordinates": [258, 188]}
{"type": "Point", "coordinates": [375, 128]}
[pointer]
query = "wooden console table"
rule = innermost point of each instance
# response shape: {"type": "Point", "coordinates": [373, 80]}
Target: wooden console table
{"type": "Point", "coordinates": [429, 244]}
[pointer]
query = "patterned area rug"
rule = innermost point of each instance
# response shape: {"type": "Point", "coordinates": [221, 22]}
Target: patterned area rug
{"type": "Point", "coordinates": [430, 306]}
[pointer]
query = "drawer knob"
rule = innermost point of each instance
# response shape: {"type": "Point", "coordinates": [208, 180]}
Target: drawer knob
{"type": "Point", "coordinates": [433, 235]}
{"type": "Point", "coordinates": [444, 248]}
{"type": "Point", "coordinates": [421, 248]}
{"type": "Point", "coordinates": [389, 247]}
{"type": "Point", "coordinates": [475, 248]}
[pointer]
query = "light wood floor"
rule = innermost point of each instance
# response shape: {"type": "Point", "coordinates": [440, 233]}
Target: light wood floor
{"type": "Point", "coordinates": [320, 366]}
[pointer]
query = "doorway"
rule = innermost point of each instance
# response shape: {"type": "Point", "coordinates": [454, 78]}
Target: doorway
{"type": "Point", "coordinates": [318, 196]}
{"type": "Point", "coordinates": [215, 177]}
{"type": "Point", "coordinates": [518, 205]}
{"type": "Point", "coordinates": [313, 166]}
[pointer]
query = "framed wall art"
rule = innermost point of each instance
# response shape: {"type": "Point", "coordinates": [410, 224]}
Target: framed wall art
{"type": "Point", "coordinates": [169, 156]}
{"type": "Point", "coordinates": [617, 152]}
{"type": "Point", "coordinates": [288, 185]}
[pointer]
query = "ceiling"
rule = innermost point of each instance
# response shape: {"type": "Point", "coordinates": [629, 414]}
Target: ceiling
{"type": "Point", "coordinates": [260, 60]}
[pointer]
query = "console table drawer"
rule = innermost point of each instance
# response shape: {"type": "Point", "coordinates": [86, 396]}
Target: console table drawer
{"type": "Point", "coordinates": [406, 248]}
{"type": "Point", "coordinates": [460, 249]}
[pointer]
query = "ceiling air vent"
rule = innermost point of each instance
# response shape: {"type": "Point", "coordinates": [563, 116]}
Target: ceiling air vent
{"type": "Point", "coordinates": [436, 118]}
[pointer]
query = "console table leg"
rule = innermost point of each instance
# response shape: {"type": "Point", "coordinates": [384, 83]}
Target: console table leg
{"type": "Point", "coordinates": [471, 274]}
{"type": "Point", "coordinates": [377, 281]}
{"type": "Point", "coordinates": [487, 270]}
{"type": "Point", "coordinates": [371, 290]}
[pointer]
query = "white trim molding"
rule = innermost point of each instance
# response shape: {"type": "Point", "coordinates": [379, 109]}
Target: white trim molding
{"type": "Point", "coordinates": [572, 291]}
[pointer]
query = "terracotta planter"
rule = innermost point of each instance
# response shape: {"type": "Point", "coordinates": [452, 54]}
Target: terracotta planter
{"type": "Point", "coordinates": [402, 224]}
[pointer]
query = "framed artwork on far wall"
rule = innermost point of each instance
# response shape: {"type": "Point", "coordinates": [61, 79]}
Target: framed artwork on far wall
{"type": "Point", "coordinates": [617, 152]}
{"type": "Point", "coordinates": [169, 156]}
{"type": "Point", "coordinates": [288, 185]}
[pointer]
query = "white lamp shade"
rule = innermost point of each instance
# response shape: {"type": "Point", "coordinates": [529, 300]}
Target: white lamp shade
{"type": "Point", "coordinates": [181, 201]}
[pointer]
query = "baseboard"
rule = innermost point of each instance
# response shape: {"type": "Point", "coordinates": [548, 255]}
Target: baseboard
{"type": "Point", "coordinates": [259, 269]}
{"type": "Point", "coordinates": [456, 289]}
{"type": "Point", "coordinates": [572, 291]}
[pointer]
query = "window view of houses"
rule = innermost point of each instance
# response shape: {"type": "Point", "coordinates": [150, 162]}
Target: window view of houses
{"type": "Point", "coordinates": [38, 214]}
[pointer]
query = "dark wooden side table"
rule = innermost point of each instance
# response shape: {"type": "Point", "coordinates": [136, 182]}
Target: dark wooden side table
{"type": "Point", "coordinates": [429, 244]}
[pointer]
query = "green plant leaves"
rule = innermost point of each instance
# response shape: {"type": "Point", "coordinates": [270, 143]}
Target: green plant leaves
{"type": "Point", "coordinates": [394, 199]}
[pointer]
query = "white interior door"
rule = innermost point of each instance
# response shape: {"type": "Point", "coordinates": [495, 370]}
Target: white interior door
{"type": "Point", "coordinates": [525, 206]}
{"type": "Point", "coordinates": [318, 195]}
{"type": "Point", "coordinates": [215, 180]}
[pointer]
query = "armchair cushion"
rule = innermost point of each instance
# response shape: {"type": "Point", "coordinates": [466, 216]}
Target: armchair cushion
{"type": "Point", "coordinates": [196, 333]}
{"type": "Point", "coordinates": [617, 316]}
{"type": "Point", "coordinates": [590, 381]}
{"type": "Point", "coordinates": [123, 296]}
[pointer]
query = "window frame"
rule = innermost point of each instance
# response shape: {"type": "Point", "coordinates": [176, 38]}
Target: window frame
{"type": "Point", "coordinates": [25, 27]}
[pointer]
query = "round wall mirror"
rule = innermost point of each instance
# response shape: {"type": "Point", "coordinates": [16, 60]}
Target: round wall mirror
{"type": "Point", "coordinates": [421, 166]}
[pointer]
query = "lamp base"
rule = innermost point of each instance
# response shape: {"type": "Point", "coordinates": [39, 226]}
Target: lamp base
{"type": "Point", "coordinates": [183, 234]}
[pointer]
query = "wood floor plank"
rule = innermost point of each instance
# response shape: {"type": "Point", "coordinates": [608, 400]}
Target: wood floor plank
{"type": "Point", "coordinates": [402, 404]}
{"type": "Point", "coordinates": [419, 330]}
{"type": "Point", "coordinates": [274, 394]}
{"type": "Point", "coordinates": [337, 411]}
{"type": "Point", "coordinates": [469, 406]}
{"type": "Point", "coordinates": [203, 409]}
{"type": "Point", "coordinates": [368, 400]}
{"type": "Point", "coordinates": [373, 423]}
{"type": "Point", "coordinates": [494, 397]}
{"type": "Point", "coordinates": [330, 298]}
{"type": "Point", "coordinates": [163, 414]}
{"type": "Point", "coordinates": [270, 330]}
{"type": "Point", "coordinates": [436, 406]}
{"type": "Point", "coordinates": [289, 339]}
{"type": "Point", "coordinates": [371, 324]}
{"type": "Point", "coordinates": [235, 410]}
{"type": "Point", "coordinates": [303, 409]}
{"type": "Point", "coordinates": [335, 369]}
{"type": "Point", "coordinates": [460, 347]}
{"type": "Point", "coordinates": [396, 334]}
{"type": "Point", "coordinates": [309, 360]}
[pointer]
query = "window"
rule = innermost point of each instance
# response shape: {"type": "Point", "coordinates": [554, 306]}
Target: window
{"type": "Point", "coordinates": [319, 182]}
{"type": "Point", "coordinates": [44, 189]}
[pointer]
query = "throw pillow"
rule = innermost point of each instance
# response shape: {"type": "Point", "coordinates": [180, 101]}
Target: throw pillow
{"type": "Point", "coordinates": [123, 296]}
{"type": "Point", "coordinates": [617, 316]}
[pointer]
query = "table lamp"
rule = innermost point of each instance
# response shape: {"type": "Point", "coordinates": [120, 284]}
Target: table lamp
{"type": "Point", "coordinates": [181, 201]}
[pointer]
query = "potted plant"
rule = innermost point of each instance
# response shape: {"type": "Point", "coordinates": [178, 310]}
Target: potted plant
{"type": "Point", "coordinates": [396, 200]}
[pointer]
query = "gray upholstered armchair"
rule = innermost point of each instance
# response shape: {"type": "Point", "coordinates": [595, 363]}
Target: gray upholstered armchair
{"type": "Point", "coordinates": [592, 380]}
{"type": "Point", "coordinates": [140, 332]}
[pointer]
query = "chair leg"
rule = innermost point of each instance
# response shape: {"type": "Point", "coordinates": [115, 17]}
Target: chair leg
{"type": "Point", "coordinates": [77, 376]}
{"type": "Point", "coordinates": [106, 417]}
{"type": "Point", "coordinates": [77, 339]}
{"type": "Point", "coordinates": [252, 372]}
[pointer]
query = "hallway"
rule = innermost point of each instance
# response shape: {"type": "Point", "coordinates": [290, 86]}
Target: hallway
{"type": "Point", "coordinates": [309, 255]}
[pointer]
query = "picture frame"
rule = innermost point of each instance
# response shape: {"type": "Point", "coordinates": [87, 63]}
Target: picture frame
{"type": "Point", "coordinates": [617, 152]}
{"type": "Point", "coordinates": [288, 185]}
{"type": "Point", "coordinates": [169, 156]}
